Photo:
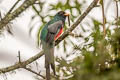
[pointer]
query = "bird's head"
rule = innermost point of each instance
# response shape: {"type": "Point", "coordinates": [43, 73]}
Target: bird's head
{"type": "Point", "coordinates": [61, 15]}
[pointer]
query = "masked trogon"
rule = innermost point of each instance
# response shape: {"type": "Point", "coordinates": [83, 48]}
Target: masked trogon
{"type": "Point", "coordinates": [50, 32]}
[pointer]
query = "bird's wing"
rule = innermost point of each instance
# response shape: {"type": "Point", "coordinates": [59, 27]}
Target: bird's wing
{"type": "Point", "coordinates": [53, 29]}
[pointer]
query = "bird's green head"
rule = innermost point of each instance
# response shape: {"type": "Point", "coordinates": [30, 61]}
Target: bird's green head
{"type": "Point", "coordinates": [61, 15]}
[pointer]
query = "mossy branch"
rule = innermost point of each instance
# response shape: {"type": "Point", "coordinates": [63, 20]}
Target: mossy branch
{"type": "Point", "coordinates": [11, 16]}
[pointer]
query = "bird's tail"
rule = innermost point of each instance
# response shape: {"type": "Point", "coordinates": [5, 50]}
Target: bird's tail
{"type": "Point", "coordinates": [49, 59]}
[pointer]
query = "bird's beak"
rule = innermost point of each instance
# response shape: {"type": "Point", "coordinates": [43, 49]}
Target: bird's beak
{"type": "Point", "coordinates": [66, 14]}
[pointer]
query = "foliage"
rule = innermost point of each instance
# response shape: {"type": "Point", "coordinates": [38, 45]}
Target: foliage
{"type": "Point", "coordinates": [100, 63]}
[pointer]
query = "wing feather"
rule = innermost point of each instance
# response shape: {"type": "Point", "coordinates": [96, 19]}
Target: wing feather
{"type": "Point", "coordinates": [53, 30]}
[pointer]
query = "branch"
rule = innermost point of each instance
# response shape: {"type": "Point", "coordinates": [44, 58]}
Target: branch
{"type": "Point", "coordinates": [104, 19]}
{"type": "Point", "coordinates": [13, 7]}
{"type": "Point", "coordinates": [117, 16]}
{"type": "Point", "coordinates": [28, 69]}
{"type": "Point", "coordinates": [22, 64]}
{"type": "Point", "coordinates": [18, 11]}
{"type": "Point", "coordinates": [65, 34]}
{"type": "Point", "coordinates": [34, 72]}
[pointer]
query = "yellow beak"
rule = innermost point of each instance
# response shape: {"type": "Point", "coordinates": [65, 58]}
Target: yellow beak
{"type": "Point", "coordinates": [66, 14]}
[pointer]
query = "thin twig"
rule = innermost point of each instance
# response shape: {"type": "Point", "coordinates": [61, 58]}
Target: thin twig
{"type": "Point", "coordinates": [19, 56]}
{"type": "Point", "coordinates": [0, 16]}
{"type": "Point", "coordinates": [34, 72]}
{"type": "Point", "coordinates": [117, 13]}
{"type": "Point", "coordinates": [65, 34]}
{"type": "Point", "coordinates": [104, 19]}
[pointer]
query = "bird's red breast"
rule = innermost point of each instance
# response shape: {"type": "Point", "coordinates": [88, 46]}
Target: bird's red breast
{"type": "Point", "coordinates": [59, 33]}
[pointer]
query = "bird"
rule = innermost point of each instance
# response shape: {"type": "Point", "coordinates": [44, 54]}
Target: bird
{"type": "Point", "coordinates": [51, 32]}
